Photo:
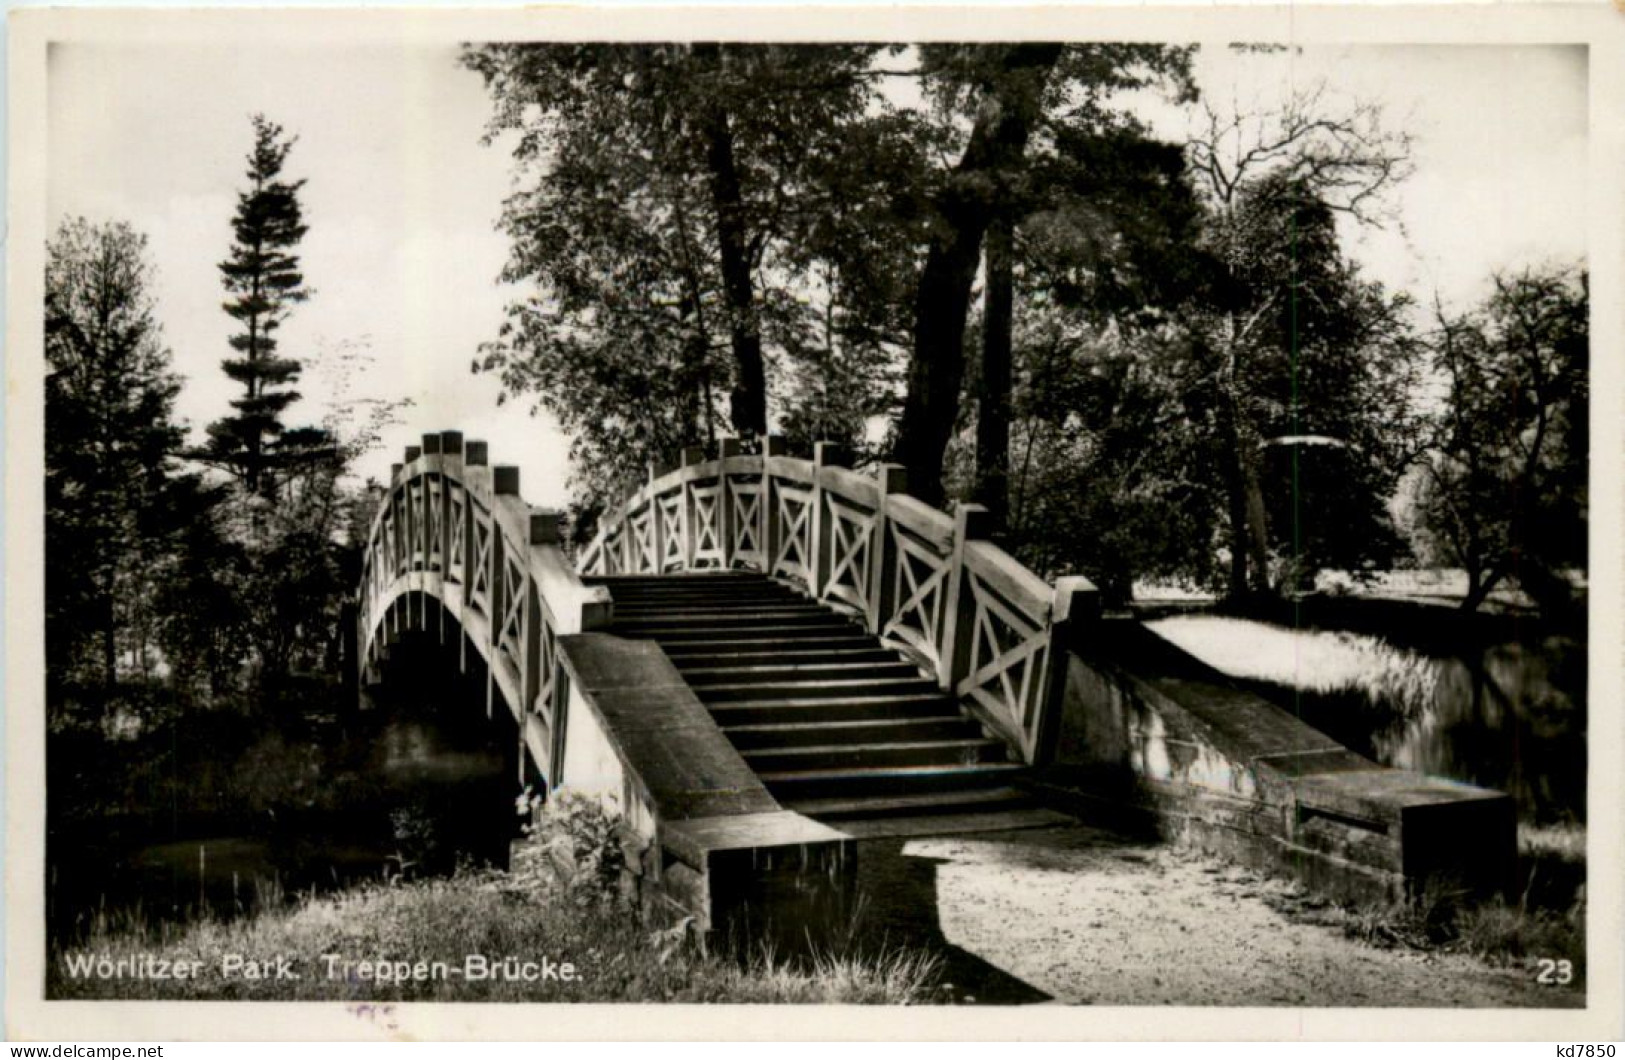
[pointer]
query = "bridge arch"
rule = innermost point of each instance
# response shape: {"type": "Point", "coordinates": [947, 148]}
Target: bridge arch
{"type": "Point", "coordinates": [453, 542]}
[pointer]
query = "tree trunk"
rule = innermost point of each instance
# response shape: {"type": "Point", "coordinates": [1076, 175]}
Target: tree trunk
{"type": "Point", "coordinates": [748, 403]}
{"type": "Point", "coordinates": [965, 209]}
{"type": "Point", "coordinates": [109, 641]}
{"type": "Point", "coordinates": [993, 407]}
{"type": "Point", "coordinates": [1258, 534]}
{"type": "Point", "coordinates": [1236, 493]}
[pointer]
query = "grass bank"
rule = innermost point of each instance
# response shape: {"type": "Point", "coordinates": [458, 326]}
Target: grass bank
{"type": "Point", "coordinates": [476, 936]}
{"type": "Point", "coordinates": [557, 927]}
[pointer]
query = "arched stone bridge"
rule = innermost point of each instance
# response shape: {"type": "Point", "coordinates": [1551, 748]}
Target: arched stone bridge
{"type": "Point", "coordinates": [762, 657]}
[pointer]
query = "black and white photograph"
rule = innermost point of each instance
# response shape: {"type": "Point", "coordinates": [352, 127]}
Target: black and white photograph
{"type": "Point", "coordinates": [935, 512]}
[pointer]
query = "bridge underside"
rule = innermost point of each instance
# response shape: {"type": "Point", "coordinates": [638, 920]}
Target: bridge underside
{"type": "Point", "coordinates": [421, 648]}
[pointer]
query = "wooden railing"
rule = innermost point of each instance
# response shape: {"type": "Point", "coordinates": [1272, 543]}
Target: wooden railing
{"type": "Point", "coordinates": [455, 530]}
{"type": "Point", "coordinates": [991, 631]}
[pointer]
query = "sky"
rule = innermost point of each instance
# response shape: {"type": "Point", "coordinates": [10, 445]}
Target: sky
{"type": "Point", "coordinates": [402, 201]}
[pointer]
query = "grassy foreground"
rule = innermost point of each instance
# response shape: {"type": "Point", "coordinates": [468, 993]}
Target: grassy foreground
{"type": "Point", "coordinates": [554, 928]}
{"type": "Point", "coordinates": [558, 947]}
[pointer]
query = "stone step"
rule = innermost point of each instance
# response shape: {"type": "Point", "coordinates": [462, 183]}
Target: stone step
{"type": "Point", "coordinates": [675, 633]}
{"type": "Point", "coordinates": [790, 786]}
{"type": "Point", "coordinates": [770, 760]}
{"type": "Point", "coordinates": [814, 688]}
{"type": "Point", "coordinates": [788, 652]}
{"type": "Point", "coordinates": [713, 612]}
{"type": "Point", "coordinates": [682, 578]}
{"type": "Point", "coordinates": [702, 679]}
{"type": "Point", "coordinates": [950, 726]}
{"type": "Point", "coordinates": [675, 627]}
{"type": "Point", "coordinates": [726, 592]}
{"type": "Point", "coordinates": [980, 800]}
{"type": "Point", "coordinates": [813, 710]}
{"type": "Point", "coordinates": [745, 644]}
{"type": "Point", "coordinates": [680, 618]}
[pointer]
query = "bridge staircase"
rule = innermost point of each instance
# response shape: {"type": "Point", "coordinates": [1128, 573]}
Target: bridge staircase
{"type": "Point", "coordinates": [837, 725]}
{"type": "Point", "coordinates": [760, 659]}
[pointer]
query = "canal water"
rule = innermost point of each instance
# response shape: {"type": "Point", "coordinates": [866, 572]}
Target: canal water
{"type": "Point", "coordinates": [197, 818]}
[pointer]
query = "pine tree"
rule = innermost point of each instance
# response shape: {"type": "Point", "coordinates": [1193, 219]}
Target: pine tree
{"type": "Point", "coordinates": [263, 280]}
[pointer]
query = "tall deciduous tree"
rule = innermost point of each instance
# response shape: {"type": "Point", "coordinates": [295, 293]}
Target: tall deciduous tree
{"type": "Point", "coordinates": [1021, 110]}
{"type": "Point", "coordinates": [110, 435]}
{"type": "Point", "coordinates": [1307, 360]}
{"type": "Point", "coordinates": [667, 194]}
{"type": "Point", "coordinates": [1504, 489]}
{"type": "Point", "coordinates": [1004, 88]}
{"type": "Point", "coordinates": [263, 281]}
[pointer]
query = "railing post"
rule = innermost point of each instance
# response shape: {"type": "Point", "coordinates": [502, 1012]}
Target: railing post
{"type": "Point", "coordinates": [687, 517]}
{"type": "Point", "coordinates": [971, 523]}
{"type": "Point", "coordinates": [727, 448]}
{"type": "Point", "coordinates": [883, 557]}
{"type": "Point", "coordinates": [768, 507]}
{"type": "Point", "coordinates": [1074, 609]}
{"type": "Point", "coordinates": [825, 454]}
{"type": "Point", "coordinates": [451, 466]}
{"type": "Point", "coordinates": [657, 524]}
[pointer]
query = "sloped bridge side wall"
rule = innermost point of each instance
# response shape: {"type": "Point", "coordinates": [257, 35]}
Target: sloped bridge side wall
{"type": "Point", "coordinates": [1153, 736]}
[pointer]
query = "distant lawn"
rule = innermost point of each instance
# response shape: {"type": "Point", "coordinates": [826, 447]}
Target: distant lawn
{"type": "Point", "coordinates": [1316, 661]}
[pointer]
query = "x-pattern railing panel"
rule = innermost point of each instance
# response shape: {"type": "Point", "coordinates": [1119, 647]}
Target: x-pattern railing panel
{"type": "Point", "coordinates": [1007, 654]}
{"type": "Point", "coordinates": [608, 556]}
{"type": "Point", "coordinates": [919, 587]}
{"type": "Point", "coordinates": [746, 501]}
{"type": "Point", "coordinates": [414, 523]}
{"type": "Point", "coordinates": [509, 637]}
{"type": "Point", "coordinates": [519, 594]}
{"type": "Point", "coordinates": [669, 508]}
{"type": "Point", "coordinates": [436, 523]}
{"type": "Point", "coordinates": [457, 502]}
{"type": "Point", "coordinates": [704, 502]}
{"type": "Point", "coordinates": [850, 531]}
{"type": "Point", "coordinates": [644, 560]}
{"type": "Point", "coordinates": [479, 583]}
{"type": "Point", "coordinates": [548, 657]}
{"type": "Point", "coordinates": [794, 556]}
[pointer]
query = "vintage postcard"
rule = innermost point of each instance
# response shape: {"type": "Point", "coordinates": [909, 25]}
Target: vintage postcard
{"type": "Point", "coordinates": [1066, 522]}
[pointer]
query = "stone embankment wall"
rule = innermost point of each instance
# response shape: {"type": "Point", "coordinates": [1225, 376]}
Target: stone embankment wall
{"type": "Point", "coordinates": [1152, 736]}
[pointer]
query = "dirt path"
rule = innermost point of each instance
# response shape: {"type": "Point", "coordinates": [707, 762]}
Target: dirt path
{"type": "Point", "coordinates": [1081, 916]}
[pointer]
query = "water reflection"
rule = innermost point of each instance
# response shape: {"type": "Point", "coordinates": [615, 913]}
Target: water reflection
{"type": "Point", "coordinates": [1511, 717]}
{"type": "Point", "coordinates": [316, 806]}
